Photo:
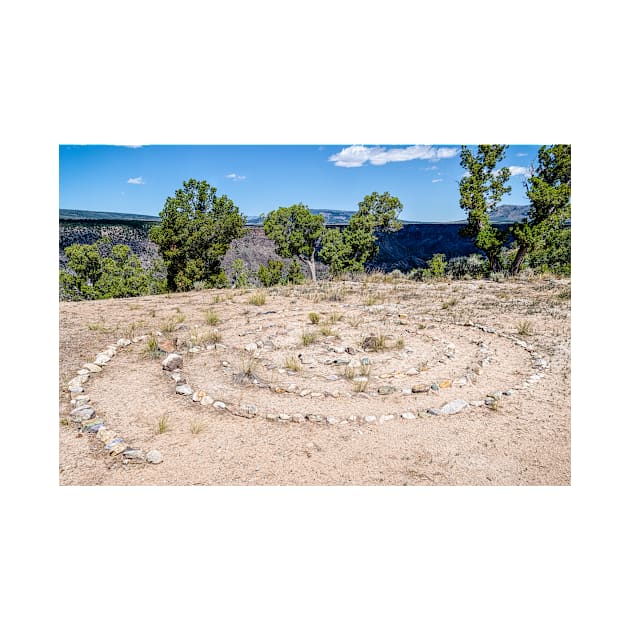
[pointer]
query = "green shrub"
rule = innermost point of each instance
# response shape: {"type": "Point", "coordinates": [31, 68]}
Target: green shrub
{"type": "Point", "coordinates": [473, 266]}
{"type": "Point", "coordinates": [294, 273]}
{"type": "Point", "coordinates": [271, 274]}
{"type": "Point", "coordinates": [239, 274]}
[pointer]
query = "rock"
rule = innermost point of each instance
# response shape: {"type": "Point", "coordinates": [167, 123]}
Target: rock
{"type": "Point", "coordinates": [420, 388]}
{"type": "Point", "coordinates": [76, 390]}
{"type": "Point", "coordinates": [332, 420]}
{"type": "Point", "coordinates": [184, 390]}
{"type": "Point", "coordinates": [251, 347]}
{"type": "Point", "coordinates": [365, 361]}
{"type": "Point", "coordinates": [316, 395]}
{"type": "Point", "coordinates": [279, 389]}
{"type": "Point", "coordinates": [305, 392]}
{"type": "Point", "coordinates": [461, 381]}
{"type": "Point", "coordinates": [434, 387]}
{"type": "Point", "coordinates": [92, 426]}
{"type": "Point", "coordinates": [315, 417]}
{"type": "Point", "coordinates": [77, 381]}
{"type": "Point", "coordinates": [298, 417]}
{"type": "Point", "coordinates": [341, 361]}
{"type": "Point", "coordinates": [283, 417]}
{"type": "Point", "coordinates": [177, 377]}
{"type": "Point", "coordinates": [454, 406]}
{"type": "Point", "coordinates": [406, 391]}
{"type": "Point", "coordinates": [139, 338]}
{"type": "Point", "coordinates": [83, 372]}
{"type": "Point", "coordinates": [110, 351]}
{"type": "Point", "coordinates": [386, 418]}
{"type": "Point", "coordinates": [306, 359]}
{"type": "Point", "coordinates": [412, 372]}
{"type": "Point", "coordinates": [369, 418]}
{"type": "Point", "coordinates": [446, 383]}
{"type": "Point", "coordinates": [351, 350]}
{"type": "Point", "coordinates": [123, 342]}
{"type": "Point", "coordinates": [217, 404]}
{"type": "Point", "coordinates": [433, 412]}
{"type": "Point", "coordinates": [407, 415]}
{"type": "Point", "coordinates": [102, 359]}
{"type": "Point", "coordinates": [92, 367]}
{"type": "Point", "coordinates": [173, 362]}
{"type": "Point", "coordinates": [198, 395]}
{"type": "Point", "coordinates": [247, 410]}
{"type": "Point", "coordinates": [476, 403]}
{"type": "Point", "coordinates": [386, 389]}
{"type": "Point", "coordinates": [508, 392]}
{"type": "Point", "coordinates": [338, 349]}
{"type": "Point", "coordinates": [79, 400]}
{"type": "Point", "coordinates": [105, 435]}
{"type": "Point", "coordinates": [113, 444]}
{"type": "Point", "coordinates": [206, 400]}
{"type": "Point", "coordinates": [195, 349]}
{"type": "Point", "coordinates": [332, 377]}
{"type": "Point", "coordinates": [82, 413]}
{"type": "Point", "coordinates": [133, 455]}
{"type": "Point", "coordinates": [154, 457]}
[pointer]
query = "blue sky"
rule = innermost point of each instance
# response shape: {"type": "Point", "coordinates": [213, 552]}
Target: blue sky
{"type": "Point", "coordinates": [260, 178]}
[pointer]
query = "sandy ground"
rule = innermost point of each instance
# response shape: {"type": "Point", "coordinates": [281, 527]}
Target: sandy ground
{"type": "Point", "coordinates": [522, 440]}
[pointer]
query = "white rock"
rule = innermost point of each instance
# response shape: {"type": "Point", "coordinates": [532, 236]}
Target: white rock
{"type": "Point", "coordinates": [217, 404]}
{"type": "Point", "coordinates": [206, 400]}
{"type": "Point", "coordinates": [251, 347]}
{"type": "Point", "coordinates": [407, 415]}
{"type": "Point", "coordinates": [83, 371]}
{"type": "Point", "coordinates": [386, 418]}
{"type": "Point", "coordinates": [454, 406]}
{"type": "Point", "coordinates": [173, 362]}
{"type": "Point", "coordinates": [92, 367]}
{"type": "Point", "coordinates": [123, 342]}
{"type": "Point", "coordinates": [101, 359]}
{"type": "Point", "coordinates": [154, 457]}
{"type": "Point", "coordinates": [332, 420]}
{"type": "Point", "coordinates": [369, 418]}
{"type": "Point", "coordinates": [185, 390]}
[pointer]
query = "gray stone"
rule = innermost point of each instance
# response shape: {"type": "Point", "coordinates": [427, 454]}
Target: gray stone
{"type": "Point", "coordinates": [154, 457]}
{"type": "Point", "coordinates": [92, 367]}
{"type": "Point", "coordinates": [82, 413]}
{"type": "Point", "coordinates": [83, 372]}
{"type": "Point", "coordinates": [173, 362]}
{"type": "Point", "coordinates": [217, 404]}
{"type": "Point", "coordinates": [134, 455]}
{"type": "Point", "coordinates": [185, 390]}
{"type": "Point", "coordinates": [365, 361]}
{"type": "Point", "coordinates": [341, 361]}
{"type": "Point", "coordinates": [248, 410]}
{"type": "Point", "coordinates": [315, 417]}
{"type": "Point", "coordinates": [332, 377]}
{"type": "Point", "coordinates": [384, 390]}
{"type": "Point", "coordinates": [434, 412]}
{"type": "Point", "coordinates": [454, 406]}
{"type": "Point", "coordinates": [77, 381]}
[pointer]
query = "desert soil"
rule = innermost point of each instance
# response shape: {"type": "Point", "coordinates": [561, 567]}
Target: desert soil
{"type": "Point", "coordinates": [521, 439]}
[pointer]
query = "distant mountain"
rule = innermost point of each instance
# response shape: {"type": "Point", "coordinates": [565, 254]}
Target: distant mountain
{"type": "Point", "coordinates": [332, 217]}
{"type": "Point", "coordinates": [89, 215]}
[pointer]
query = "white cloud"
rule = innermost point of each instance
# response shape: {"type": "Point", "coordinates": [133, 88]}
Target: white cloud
{"type": "Point", "coordinates": [358, 154]}
{"type": "Point", "coordinates": [521, 155]}
{"type": "Point", "coordinates": [520, 170]}
{"type": "Point", "coordinates": [135, 180]}
{"type": "Point", "coordinates": [234, 177]}
{"type": "Point", "coordinates": [436, 180]}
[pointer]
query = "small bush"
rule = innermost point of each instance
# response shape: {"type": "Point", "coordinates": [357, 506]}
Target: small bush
{"type": "Point", "coordinates": [294, 273]}
{"type": "Point", "coordinates": [464, 267]}
{"type": "Point", "coordinates": [211, 317]}
{"type": "Point", "coordinates": [308, 338]}
{"type": "Point", "coordinates": [258, 298]}
{"type": "Point", "coordinates": [525, 328]}
{"type": "Point", "coordinates": [314, 317]}
{"type": "Point", "coordinates": [271, 274]}
{"type": "Point", "coordinates": [162, 425]}
{"type": "Point", "coordinates": [291, 362]}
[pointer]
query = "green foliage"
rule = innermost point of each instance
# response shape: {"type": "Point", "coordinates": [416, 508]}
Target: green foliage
{"type": "Point", "coordinates": [480, 191]}
{"type": "Point", "coordinates": [93, 276]}
{"type": "Point", "coordinates": [347, 251]}
{"type": "Point", "coordinates": [473, 266]}
{"type": "Point", "coordinates": [437, 266]}
{"type": "Point", "coordinates": [239, 274]}
{"type": "Point", "coordinates": [271, 274]}
{"type": "Point", "coordinates": [296, 232]}
{"type": "Point", "coordinates": [544, 237]}
{"type": "Point", "coordinates": [294, 273]}
{"type": "Point", "coordinates": [195, 232]}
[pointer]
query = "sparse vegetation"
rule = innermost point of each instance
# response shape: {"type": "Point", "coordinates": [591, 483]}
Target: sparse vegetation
{"type": "Point", "coordinates": [308, 338]}
{"type": "Point", "coordinates": [314, 317]}
{"type": "Point", "coordinates": [212, 318]}
{"type": "Point", "coordinates": [151, 349]}
{"type": "Point", "coordinates": [196, 427]}
{"type": "Point", "coordinates": [258, 298]}
{"type": "Point", "coordinates": [525, 327]}
{"type": "Point", "coordinates": [291, 362]}
{"type": "Point", "coordinates": [162, 425]}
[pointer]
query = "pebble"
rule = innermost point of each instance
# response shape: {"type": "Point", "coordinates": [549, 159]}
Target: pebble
{"type": "Point", "coordinates": [133, 455]}
{"type": "Point", "coordinates": [369, 418]}
{"type": "Point", "coordinates": [284, 417]}
{"type": "Point", "coordinates": [454, 406]}
{"type": "Point", "coordinates": [185, 390]}
{"type": "Point", "coordinates": [82, 413]}
{"type": "Point", "coordinates": [173, 362]}
{"type": "Point", "coordinates": [420, 388]}
{"type": "Point", "coordinates": [386, 389]}
{"type": "Point", "coordinates": [446, 383]}
{"type": "Point", "coordinates": [123, 342]}
{"type": "Point", "coordinates": [305, 392]}
{"type": "Point", "coordinates": [206, 400]}
{"type": "Point", "coordinates": [92, 426]}
{"type": "Point", "coordinates": [407, 391]}
{"type": "Point", "coordinates": [386, 418]}
{"type": "Point", "coordinates": [315, 417]}
{"type": "Point", "coordinates": [298, 417]}
{"type": "Point", "coordinates": [154, 457]}
{"type": "Point", "coordinates": [332, 377]}
{"type": "Point", "coordinates": [251, 347]}
{"type": "Point", "coordinates": [408, 415]}
{"type": "Point", "coordinates": [249, 410]}
{"type": "Point", "coordinates": [433, 412]}
{"type": "Point", "coordinates": [332, 420]}
{"type": "Point", "coordinates": [217, 404]}
{"type": "Point", "coordinates": [105, 435]}
{"type": "Point", "coordinates": [198, 395]}
{"type": "Point", "coordinates": [83, 371]}
{"type": "Point", "coordinates": [92, 367]}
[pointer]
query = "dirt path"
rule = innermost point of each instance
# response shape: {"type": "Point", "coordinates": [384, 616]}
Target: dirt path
{"type": "Point", "coordinates": [330, 369]}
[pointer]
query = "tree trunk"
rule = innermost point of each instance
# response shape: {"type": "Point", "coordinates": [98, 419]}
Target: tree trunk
{"type": "Point", "coordinates": [311, 266]}
{"type": "Point", "coordinates": [518, 260]}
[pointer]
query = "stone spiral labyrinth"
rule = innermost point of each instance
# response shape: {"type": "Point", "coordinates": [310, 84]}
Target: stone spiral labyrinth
{"type": "Point", "coordinates": [370, 364]}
